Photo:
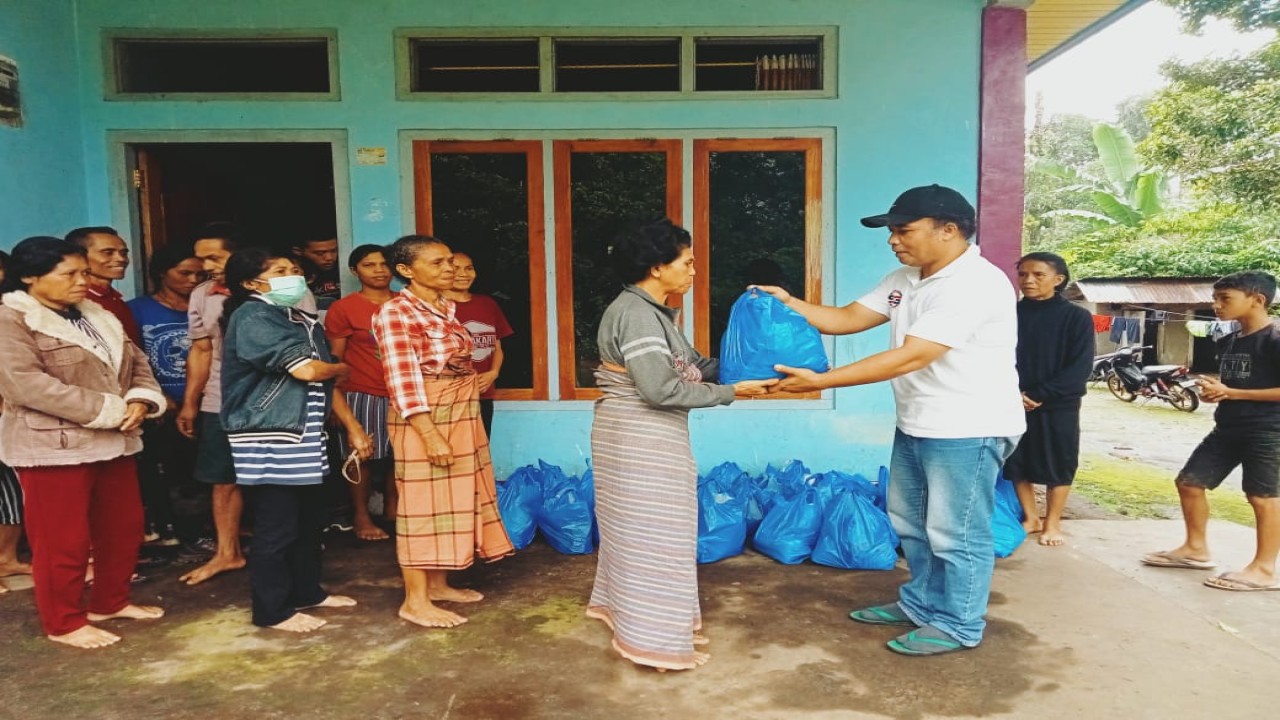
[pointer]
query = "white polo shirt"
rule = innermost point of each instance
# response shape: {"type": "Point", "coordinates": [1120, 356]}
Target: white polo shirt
{"type": "Point", "coordinates": [972, 390]}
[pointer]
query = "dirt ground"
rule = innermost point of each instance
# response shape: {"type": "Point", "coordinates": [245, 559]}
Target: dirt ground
{"type": "Point", "coordinates": [1151, 432]}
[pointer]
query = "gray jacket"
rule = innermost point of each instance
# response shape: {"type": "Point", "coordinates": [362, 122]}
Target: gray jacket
{"type": "Point", "coordinates": [639, 333]}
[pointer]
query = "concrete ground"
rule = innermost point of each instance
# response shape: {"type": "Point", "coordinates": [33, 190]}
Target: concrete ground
{"type": "Point", "coordinates": [1079, 631]}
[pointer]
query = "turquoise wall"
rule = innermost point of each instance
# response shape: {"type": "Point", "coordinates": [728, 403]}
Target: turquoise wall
{"type": "Point", "coordinates": [42, 178]}
{"type": "Point", "coordinates": [906, 114]}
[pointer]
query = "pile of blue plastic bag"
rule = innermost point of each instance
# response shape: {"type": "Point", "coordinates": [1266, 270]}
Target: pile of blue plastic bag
{"type": "Point", "coordinates": [787, 513]}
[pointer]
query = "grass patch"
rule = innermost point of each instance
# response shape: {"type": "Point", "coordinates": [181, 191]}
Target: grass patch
{"type": "Point", "coordinates": [1139, 491]}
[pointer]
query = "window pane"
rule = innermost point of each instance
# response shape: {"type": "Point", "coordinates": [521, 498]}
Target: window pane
{"type": "Point", "coordinates": [758, 63]}
{"type": "Point", "coordinates": [618, 65]}
{"type": "Point", "coordinates": [480, 204]}
{"type": "Point", "coordinates": [470, 65]}
{"type": "Point", "coordinates": [609, 193]}
{"type": "Point", "coordinates": [223, 66]}
{"type": "Point", "coordinates": [757, 226]}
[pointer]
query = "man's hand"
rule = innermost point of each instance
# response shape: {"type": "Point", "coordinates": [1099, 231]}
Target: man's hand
{"type": "Point", "coordinates": [135, 412]}
{"type": "Point", "coordinates": [1213, 390]}
{"type": "Point", "coordinates": [1028, 404]}
{"type": "Point", "coordinates": [799, 380]}
{"type": "Point", "coordinates": [187, 420]}
{"type": "Point", "coordinates": [360, 441]}
{"type": "Point", "coordinates": [778, 293]}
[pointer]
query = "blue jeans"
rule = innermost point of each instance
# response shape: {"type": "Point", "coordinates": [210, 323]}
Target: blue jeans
{"type": "Point", "coordinates": [941, 493]}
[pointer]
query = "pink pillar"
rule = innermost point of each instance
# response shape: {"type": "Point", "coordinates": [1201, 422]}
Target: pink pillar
{"type": "Point", "coordinates": [1001, 184]}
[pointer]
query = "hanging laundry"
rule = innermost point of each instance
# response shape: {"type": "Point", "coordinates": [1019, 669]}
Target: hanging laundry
{"type": "Point", "coordinates": [1159, 315]}
{"type": "Point", "coordinates": [1101, 323]}
{"type": "Point", "coordinates": [1126, 331]}
{"type": "Point", "coordinates": [1198, 328]}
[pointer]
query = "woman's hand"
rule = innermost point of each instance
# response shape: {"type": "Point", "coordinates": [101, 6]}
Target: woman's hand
{"type": "Point", "coordinates": [438, 450]}
{"type": "Point", "coordinates": [1028, 404]}
{"type": "Point", "coordinates": [487, 379]}
{"type": "Point", "coordinates": [135, 412]}
{"type": "Point", "coordinates": [778, 293]}
{"type": "Point", "coordinates": [360, 441]}
{"type": "Point", "coordinates": [748, 388]}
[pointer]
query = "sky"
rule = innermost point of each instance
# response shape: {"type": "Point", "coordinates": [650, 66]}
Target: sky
{"type": "Point", "coordinates": [1124, 60]}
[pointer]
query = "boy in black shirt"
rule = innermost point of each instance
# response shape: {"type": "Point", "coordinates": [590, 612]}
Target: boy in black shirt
{"type": "Point", "coordinates": [1246, 432]}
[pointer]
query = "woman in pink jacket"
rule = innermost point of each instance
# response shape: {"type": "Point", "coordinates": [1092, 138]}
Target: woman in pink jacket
{"type": "Point", "coordinates": [76, 391]}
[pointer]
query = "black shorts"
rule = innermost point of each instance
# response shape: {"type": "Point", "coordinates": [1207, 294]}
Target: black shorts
{"type": "Point", "coordinates": [1257, 450]}
{"type": "Point", "coordinates": [1049, 452]}
{"type": "Point", "coordinates": [213, 451]}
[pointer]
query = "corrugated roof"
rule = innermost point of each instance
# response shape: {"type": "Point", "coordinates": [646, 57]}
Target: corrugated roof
{"type": "Point", "coordinates": [1056, 25]}
{"type": "Point", "coordinates": [1144, 291]}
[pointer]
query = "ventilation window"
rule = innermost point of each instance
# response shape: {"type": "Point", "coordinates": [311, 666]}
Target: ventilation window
{"type": "Point", "coordinates": [750, 64]}
{"type": "Point", "coordinates": [472, 65]}
{"type": "Point", "coordinates": [618, 65]}
{"type": "Point", "coordinates": [275, 65]}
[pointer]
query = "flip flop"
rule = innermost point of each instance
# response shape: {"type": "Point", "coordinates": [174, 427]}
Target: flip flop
{"type": "Point", "coordinates": [927, 640]}
{"type": "Point", "coordinates": [1166, 559]}
{"type": "Point", "coordinates": [890, 614]}
{"type": "Point", "coordinates": [1228, 581]}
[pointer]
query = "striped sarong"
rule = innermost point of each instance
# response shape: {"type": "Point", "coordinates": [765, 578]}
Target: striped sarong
{"type": "Point", "coordinates": [646, 587]}
{"type": "Point", "coordinates": [371, 412]}
{"type": "Point", "coordinates": [446, 516]}
{"type": "Point", "coordinates": [10, 497]}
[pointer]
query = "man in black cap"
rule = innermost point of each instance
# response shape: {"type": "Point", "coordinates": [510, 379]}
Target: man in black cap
{"type": "Point", "coordinates": [959, 412]}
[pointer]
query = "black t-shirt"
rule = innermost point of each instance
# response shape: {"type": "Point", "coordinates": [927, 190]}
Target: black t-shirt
{"type": "Point", "coordinates": [1249, 362]}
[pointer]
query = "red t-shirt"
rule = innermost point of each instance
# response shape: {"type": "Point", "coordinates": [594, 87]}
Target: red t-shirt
{"type": "Point", "coordinates": [487, 325]}
{"type": "Point", "coordinates": [113, 301]}
{"type": "Point", "coordinates": [351, 318]}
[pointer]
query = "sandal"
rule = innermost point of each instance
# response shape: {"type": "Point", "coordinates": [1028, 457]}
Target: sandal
{"type": "Point", "coordinates": [890, 614]}
{"type": "Point", "coordinates": [927, 640]}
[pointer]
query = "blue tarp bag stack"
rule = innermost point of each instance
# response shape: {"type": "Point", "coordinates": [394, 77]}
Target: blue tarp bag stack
{"type": "Point", "coordinates": [519, 500]}
{"type": "Point", "coordinates": [1006, 519]}
{"type": "Point", "coordinates": [790, 529]}
{"type": "Point", "coordinates": [856, 535]}
{"type": "Point", "coordinates": [722, 527]}
{"type": "Point", "coordinates": [566, 518]}
{"type": "Point", "coordinates": [763, 332]}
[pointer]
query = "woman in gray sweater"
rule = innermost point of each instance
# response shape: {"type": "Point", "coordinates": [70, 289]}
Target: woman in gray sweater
{"type": "Point", "coordinates": [646, 587]}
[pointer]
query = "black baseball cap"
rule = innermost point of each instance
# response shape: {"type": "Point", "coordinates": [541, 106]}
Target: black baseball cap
{"type": "Point", "coordinates": [928, 201]}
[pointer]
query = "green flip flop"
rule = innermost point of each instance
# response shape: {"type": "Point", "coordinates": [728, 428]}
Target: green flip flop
{"type": "Point", "coordinates": [924, 641]}
{"type": "Point", "coordinates": [890, 614]}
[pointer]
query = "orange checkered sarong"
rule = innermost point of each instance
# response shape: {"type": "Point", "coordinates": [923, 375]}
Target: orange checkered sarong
{"type": "Point", "coordinates": [446, 516]}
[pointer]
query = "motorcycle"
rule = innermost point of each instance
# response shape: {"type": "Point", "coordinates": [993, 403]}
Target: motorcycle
{"type": "Point", "coordinates": [1128, 380]}
{"type": "Point", "coordinates": [1102, 365]}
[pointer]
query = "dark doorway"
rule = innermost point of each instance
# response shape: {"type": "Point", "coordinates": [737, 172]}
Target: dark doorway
{"type": "Point", "coordinates": [278, 194]}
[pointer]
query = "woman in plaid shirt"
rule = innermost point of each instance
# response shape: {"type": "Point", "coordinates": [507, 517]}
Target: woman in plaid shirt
{"type": "Point", "coordinates": [447, 512]}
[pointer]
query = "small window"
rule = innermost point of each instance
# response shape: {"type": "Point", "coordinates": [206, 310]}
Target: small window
{"type": "Point", "coordinates": [474, 65]}
{"type": "Point", "coordinates": [618, 65]}
{"type": "Point", "coordinates": [758, 64]}
{"type": "Point", "coordinates": [223, 65]}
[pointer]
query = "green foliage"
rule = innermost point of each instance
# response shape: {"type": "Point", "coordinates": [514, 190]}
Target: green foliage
{"type": "Point", "coordinates": [1217, 124]}
{"type": "Point", "coordinates": [1125, 193]}
{"type": "Point", "coordinates": [1244, 14]}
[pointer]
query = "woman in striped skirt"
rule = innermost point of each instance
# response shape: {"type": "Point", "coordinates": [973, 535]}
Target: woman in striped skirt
{"type": "Point", "coordinates": [277, 386]}
{"type": "Point", "coordinates": [646, 587]}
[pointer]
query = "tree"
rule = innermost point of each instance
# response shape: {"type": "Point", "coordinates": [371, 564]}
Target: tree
{"type": "Point", "coordinates": [1126, 193]}
{"type": "Point", "coordinates": [1244, 14]}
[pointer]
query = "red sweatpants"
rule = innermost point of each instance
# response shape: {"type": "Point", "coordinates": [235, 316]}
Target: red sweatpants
{"type": "Point", "coordinates": [69, 509]}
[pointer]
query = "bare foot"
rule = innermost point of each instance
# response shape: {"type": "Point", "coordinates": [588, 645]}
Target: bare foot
{"type": "Point", "coordinates": [215, 566]}
{"type": "Point", "coordinates": [1032, 525]}
{"type": "Point", "coordinates": [87, 637]}
{"type": "Point", "coordinates": [130, 612]}
{"type": "Point", "coordinates": [453, 594]}
{"type": "Point", "coordinates": [1052, 536]}
{"type": "Point", "coordinates": [367, 530]}
{"type": "Point", "coordinates": [301, 623]}
{"type": "Point", "coordinates": [431, 616]}
{"type": "Point", "coordinates": [700, 639]}
{"type": "Point", "coordinates": [14, 568]}
{"type": "Point", "coordinates": [699, 659]}
{"type": "Point", "coordinates": [333, 601]}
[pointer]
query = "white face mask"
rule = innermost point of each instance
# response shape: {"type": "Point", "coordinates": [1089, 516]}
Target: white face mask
{"type": "Point", "coordinates": [287, 290]}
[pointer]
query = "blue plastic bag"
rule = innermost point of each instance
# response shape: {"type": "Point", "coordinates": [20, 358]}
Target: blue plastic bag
{"type": "Point", "coordinates": [519, 499]}
{"type": "Point", "coordinates": [790, 529]}
{"type": "Point", "coordinates": [763, 332]}
{"type": "Point", "coordinates": [856, 535]}
{"type": "Point", "coordinates": [833, 483]}
{"type": "Point", "coordinates": [722, 527]}
{"type": "Point", "coordinates": [1006, 519]}
{"type": "Point", "coordinates": [882, 489]}
{"type": "Point", "coordinates": [566, 517]}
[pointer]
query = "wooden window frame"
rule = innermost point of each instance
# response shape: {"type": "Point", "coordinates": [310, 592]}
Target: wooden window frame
{"type": "Point", "coordinates": [424, 224]}
{"type": "Point", "coordinates": [562, 152]}
{"type": "Point", "coordinates": [813, 219]}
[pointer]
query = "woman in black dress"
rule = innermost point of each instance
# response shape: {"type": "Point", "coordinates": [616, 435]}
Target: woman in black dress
{"type": "Point", "coordinates": [1055, 355]}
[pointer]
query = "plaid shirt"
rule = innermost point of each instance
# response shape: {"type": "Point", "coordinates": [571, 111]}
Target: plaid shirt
{"type": "Point", "coordinates": [417, 340]}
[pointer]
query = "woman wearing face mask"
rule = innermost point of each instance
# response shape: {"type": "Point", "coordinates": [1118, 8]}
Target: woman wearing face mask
{"type": "Point", "coordinates": [277, 388]}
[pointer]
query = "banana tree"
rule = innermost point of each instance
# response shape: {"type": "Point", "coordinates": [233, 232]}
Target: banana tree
{"type": "Point", "coordinates": [1126, 193]}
